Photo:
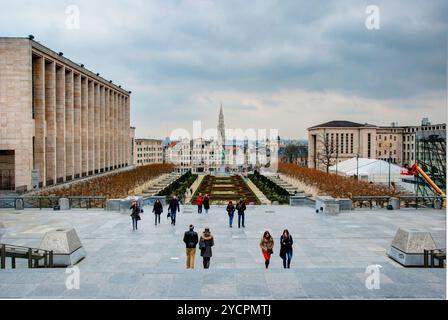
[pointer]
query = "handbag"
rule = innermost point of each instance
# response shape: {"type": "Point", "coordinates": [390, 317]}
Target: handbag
{"type": "Point", "coordinates": [202, 244]}
{"type": "Point", "coordinates": [141, 210]}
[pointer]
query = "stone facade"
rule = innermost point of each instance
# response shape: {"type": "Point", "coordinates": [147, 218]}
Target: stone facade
{"type": "Point", "coordinates": [148, 151]}
{"type": "Point", "coordinates": [57, 118]}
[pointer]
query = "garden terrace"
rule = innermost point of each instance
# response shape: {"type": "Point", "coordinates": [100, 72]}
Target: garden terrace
{"type": "Point", "coordinates": [334, 185]}
{"type": "Point", "coordinates": [270, 189]}
{"type": "Point", "coordinates": [111, 186]}
{"type": "Point", "coordinates": [222, 189]}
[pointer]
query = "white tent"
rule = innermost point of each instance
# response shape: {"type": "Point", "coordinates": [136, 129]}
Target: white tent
{"type": "Point", "coordinates": [371, 170]}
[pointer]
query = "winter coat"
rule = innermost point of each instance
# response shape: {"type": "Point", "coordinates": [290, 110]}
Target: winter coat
{"type": "Point", "coordinates": [158, 208]}
{"type": "Point", "coordinates": [241, 207]}
{"type": "Point", "coordinates": [267, 244]}
{"type": "Point", "coordinates": [207, 203]}
{"type": "Point", "coordinates": [174, 205]}
{"type": "Point", "coordinates": [205, 244]}
{"type": "Point", "coordinates": [191, 239]}
{"type": "Point", "coordinates": [285, 245]}
{"type": "Point", "coordinates": [135, 210]}
{"type": "Point", "coordinates": [230, 209]}
{"type": "Point", "coordinates": [199, 201]}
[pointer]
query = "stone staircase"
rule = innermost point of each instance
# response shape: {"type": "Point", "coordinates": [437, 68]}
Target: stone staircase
{"type": "Point", "coordinates": [161, 183]}
{"type": "Point", "coordinates": [284, 184]}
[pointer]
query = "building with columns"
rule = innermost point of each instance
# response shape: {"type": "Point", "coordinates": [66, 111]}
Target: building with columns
{"type": "Point", "coordinates": [58, 120]}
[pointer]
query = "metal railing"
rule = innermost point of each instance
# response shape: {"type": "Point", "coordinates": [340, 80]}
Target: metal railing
{"type": "Point", "coordinates": [33, 255]}
{"type": "Point", "coordinates": [41, 202]}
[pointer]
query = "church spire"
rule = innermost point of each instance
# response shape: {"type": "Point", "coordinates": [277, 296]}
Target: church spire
{"type": "Point", "coordinates": [221, 127]}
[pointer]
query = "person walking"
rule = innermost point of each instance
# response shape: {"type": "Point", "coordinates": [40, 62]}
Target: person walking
{"type": "Point", "coordinates": [286, 248]}
{"type": "Point", "coordinates": [199, 202]}
{"type": "Point", "coordinates": [135, 214]}
{"type": "Point", "coordinates": [157, 209]}
{"type": "Point", "coordinates": [267, 247]}
{"type": "Point", "coordinates": [206, 203]}
{"type": "Point", "coordinates": [231, 212]}
{"type": "Point", "coordinates": [191, 239]}
{"type": "Point", "coordinates": [241, 207]}
{"type": "Point", "coordinates": [173, 209]}
{"type": "Point", "coordinates": [205, 244]}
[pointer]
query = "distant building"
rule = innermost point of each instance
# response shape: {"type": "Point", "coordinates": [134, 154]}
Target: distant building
{"type": "Point", "coordinates": [148, 151]}
{"type": "Point", "coordinates": [336, 141]}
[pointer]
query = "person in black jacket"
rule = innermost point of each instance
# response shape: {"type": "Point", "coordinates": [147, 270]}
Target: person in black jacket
{"type": "Point", "coordinates": [191, 239]}
{"type": "Point", "coordinates": [286, 248]}
{"type": "Point", "coordinates": [135, 215]}
{"type": "Point", "coordinates": [230, 211]}
{"type": "Point", "coordinates": [174, 208]}
{"type": "Point", "coordinates": [241, 207]}
{"type": "Point", "coordinates": [157, 209]}
{"type": "Point", "coordinates": [206, 203]}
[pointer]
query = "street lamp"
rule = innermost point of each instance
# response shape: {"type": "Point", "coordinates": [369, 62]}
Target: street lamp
{"type": "Point", "coordinates": [357, 166]}
{"type": "Point", "coordinates": [390, 159]}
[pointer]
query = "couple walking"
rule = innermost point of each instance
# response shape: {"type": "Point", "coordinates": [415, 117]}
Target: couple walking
{"type": "Point", "coordinates": [173, 208]}
{"type": "Point", "coordinates": [267, 248]}
{"type": "Point", "coordinates": [203, 201]}
{"type": "Point", "coordinates": [241, 208]}
{"type": "Point", "coordinates": [206, 243]}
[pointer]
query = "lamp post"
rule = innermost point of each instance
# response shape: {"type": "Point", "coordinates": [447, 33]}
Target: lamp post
{"type": "Point", "coordinates": [357, 166]}
{"type": "Point", "coordinates": [390, 159]}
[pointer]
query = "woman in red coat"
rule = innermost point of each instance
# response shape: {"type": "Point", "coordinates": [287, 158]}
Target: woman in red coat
{"type": "Point", "coordinates": [199, 202]}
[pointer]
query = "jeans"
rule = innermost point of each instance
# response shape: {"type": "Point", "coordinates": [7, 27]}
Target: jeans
{"type": "Point", "coordinates": [287, 259]}
{"type": "Point", "coordinates": [134, 223]}
{"type": "Point", "coordinates": [200, 208]}
{"type": "Point", "coordinates": [173, 218]}
{"type": "Point", "coordinates": [230, 219]}
{"type": "Point", "coordinates": [240, 220]}
{"type": "Point", "coordinates": [206, 262]}
{"type": "Point", "coordinates": [157, 217]}
{"type": "Point", "coordinates": [191, 252]}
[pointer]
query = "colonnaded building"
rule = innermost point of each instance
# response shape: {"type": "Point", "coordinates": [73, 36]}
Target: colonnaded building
{"type": "Point", "coordinates": [58, 120]}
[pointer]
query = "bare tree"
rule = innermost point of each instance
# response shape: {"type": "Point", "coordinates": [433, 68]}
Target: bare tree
{"type": "Point", "coordinates": [329, 152]}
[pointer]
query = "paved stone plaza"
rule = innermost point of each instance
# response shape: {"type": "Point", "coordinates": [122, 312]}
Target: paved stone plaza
{"type": "Point", "coordinates": [331, 254]}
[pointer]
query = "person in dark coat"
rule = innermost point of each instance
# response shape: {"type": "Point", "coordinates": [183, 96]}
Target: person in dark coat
{"type": "Point", "coordinates": [157, 209]}
{"type": "Point", "coordinates": [205, 244]}
{"type": "Point", "coordinates": [206, 203]}
{"type": "Point", "coordinates": [231, 212]}
{"type": "Point", "coordinates": [135, 214]}
{"type": "Point", "coordinates": [199, 202]}
{"type": "Point", "coordinates": [286, 248]}
{"type": "Point", "coordinates": [174, 208]}
{"type": "Point", "coordinates": [191, 239]}
{"type": "Point", "coordinates": [241, 207]}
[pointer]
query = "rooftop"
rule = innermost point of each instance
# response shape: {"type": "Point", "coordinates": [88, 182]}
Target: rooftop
{"type": "Point", "coordinates": [343, 124]}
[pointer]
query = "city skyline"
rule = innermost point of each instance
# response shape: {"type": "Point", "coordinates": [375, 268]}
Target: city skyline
{"type": "Point", "coordinates": [282, 65]}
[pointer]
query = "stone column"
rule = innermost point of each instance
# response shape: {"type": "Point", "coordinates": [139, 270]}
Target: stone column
{"type": "Point", "coordinates": [112, 129]}
{"type": "Point", "coordinates": [116, 130]}
{"type": "Point", "coordinates": [121, 130]}
{"type": "Point", "coordinates": [91, 130]}
{"type": "Point", "coordinates": [84, 125]}
{"type": "Point", "coordinates": [39, 117]}
{"type": "Point", "coordinates": [60, 124]}
{"type": "Point", "coordinates": [107, 130]}
{"type": "Point", "coordinates": [69, 125]}
{"type": "Point", "coordinates": [77, 151]}
{"type": "Point", "coordinates": [97, 126]}
{"type": "Point", "coordinates": [128, 130]}
{"type": "Point", "coordinates": [102, 128]}
{"type": "Point", "coordinates": [50, 118]}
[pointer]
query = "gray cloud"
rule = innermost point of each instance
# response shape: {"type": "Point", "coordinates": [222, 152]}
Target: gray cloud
{"type": "Point", "coordinates": [178, 57]}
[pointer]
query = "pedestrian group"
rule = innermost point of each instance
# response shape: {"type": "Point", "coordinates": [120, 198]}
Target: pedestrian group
{"type": "Point", "coordinates": [206, 240]}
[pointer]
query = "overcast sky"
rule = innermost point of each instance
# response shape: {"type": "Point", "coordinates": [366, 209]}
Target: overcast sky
{"type": "Point", "coordinates": [284, 64]}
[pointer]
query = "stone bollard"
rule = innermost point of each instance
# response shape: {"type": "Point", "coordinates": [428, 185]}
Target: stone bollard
{"type": "Point", "coordinates": [18, 204]}
{"type": "Point", "coordinates": [395, 203]}
{"type": "Point", "coordinates": [438, 204]}
{"type": "Point", "coordinates": [64, 204]}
